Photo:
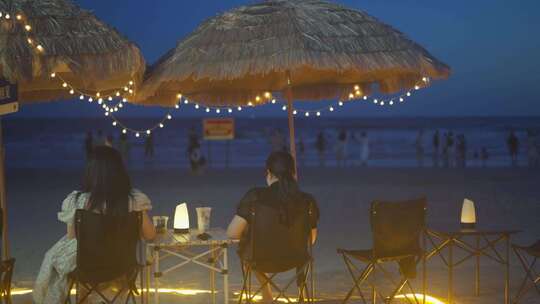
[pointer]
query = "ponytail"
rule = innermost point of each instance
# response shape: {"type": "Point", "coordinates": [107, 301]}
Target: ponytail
{"type": "Point", "coordinates": [282, 166]}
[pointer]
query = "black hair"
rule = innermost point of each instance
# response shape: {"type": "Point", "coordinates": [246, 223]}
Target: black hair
{"type": "Point", "coordinates": [282, 166]}
{"type": "Point", "coordinates": [107, 181]}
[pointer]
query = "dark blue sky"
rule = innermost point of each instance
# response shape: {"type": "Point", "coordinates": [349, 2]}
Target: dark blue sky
{"type": "Point", "coordinates": [493, 47]}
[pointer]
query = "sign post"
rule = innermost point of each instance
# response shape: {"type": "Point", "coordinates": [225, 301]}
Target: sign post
{"type": "Point", "coordinates": [219, 129]}
{"type": "Point", "coordinates": [8, 104]}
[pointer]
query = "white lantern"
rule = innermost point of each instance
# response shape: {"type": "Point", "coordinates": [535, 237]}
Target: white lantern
{"type": "Point", "coordinates": [181, 219]}
{"type": "Point", "coordinates": [468, 214]}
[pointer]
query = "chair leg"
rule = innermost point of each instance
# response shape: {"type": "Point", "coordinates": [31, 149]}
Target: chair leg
{"type": "Point", "coordinates": [357, 281]}
{"type": "Point", "coordinates": [530, 275]}
{"type": "Point", "coordinates": [397, 290]}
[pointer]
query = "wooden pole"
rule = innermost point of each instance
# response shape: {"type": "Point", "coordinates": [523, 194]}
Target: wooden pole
{"type": "Point", "coordinates": [3, 204]}
{"type": "Point", "coordinates": [290, 110]}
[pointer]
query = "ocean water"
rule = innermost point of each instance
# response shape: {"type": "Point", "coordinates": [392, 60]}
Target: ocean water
{"type": "Point", "coordinates": [58, 143]}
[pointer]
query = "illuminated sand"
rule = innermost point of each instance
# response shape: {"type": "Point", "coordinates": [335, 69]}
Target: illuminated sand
{"type": "Point", "coordinates": [508, 196]}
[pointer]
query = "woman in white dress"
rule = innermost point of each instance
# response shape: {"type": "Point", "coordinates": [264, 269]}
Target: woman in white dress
{"type": "Point", "coordinates": [106, 189]}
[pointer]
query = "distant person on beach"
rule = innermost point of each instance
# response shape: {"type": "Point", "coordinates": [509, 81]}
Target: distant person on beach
{"type": "Point", "coordinates": [109, 141]}
{"type": "Point", "coordinates": [445, 153]}
{"type": "Point", "coordinates": [320, 145]}
{"type": "Point", "coordinates": [419, 145]}
{"type": "Point", "coordinates": [278, 141]}
{"type": "Point", "coordinates": [364, 149]}
{"type": "Point", "coordinates": [196, 160]}
{"type": "Point", "coordinates": [124, 147]}
{"type": "Point", "coordinates": [283, 197]}
{"type": "Point", "coordinates": [106, 189]}
{"type": "Point", "coordinates": [436, 144]}
{"type": "Point", "coordinates": [100, 139]}
{"type": "Point", "coordinates": [149, 146]}
{"type": "Point", "coordinates": [341, 148]}
{"type": "Point", "coordinates": [88, 144]}
{"type": "Point", "coordinates": [513, 147]}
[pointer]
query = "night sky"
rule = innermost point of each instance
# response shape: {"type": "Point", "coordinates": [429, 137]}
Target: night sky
{"type": "Point", "coordinates": [493, 47]}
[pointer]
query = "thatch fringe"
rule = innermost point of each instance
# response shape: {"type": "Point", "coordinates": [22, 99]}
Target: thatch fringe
{"type": "Point", "coordinates": [325, 48]}
{"type": "Point", "coordinates": [83, 50]}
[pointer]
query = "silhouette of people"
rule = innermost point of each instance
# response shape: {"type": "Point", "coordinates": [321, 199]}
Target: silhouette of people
{"type": "Point", "coordinates": [419, 144]}
{"type": "Point", "coordinates": [364, 149]}
{"type": "Point", "coordinates": [445, 151]}
{"type": "Point", "coordinates": [196, 160]}
{"type": "Point", "coordinates": [320, 145]}
{"type": "Point", "coordinates": [436, 144]}
{"type": "Point", "coordinates": [461, 151]}
{"type": "Point", "coordinates": [89, 144]}
{"type": "Point", "coordinates": [149, 146]}
{"type": "Point", "coordinates": [513, 147]}
{"type": "Point", "coordinates": [450, 149]}
{"type": "Point", "coordinates": [341, 148]}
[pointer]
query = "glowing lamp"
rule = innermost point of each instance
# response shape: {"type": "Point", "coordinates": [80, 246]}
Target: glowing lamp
{"type": "Point", "coordinates": [468, 214]}
{"type": "Point", "coordinates": [181, 219]}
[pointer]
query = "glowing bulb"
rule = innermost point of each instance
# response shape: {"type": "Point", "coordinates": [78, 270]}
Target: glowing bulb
{"type": "Point", "coordinates": [307, 114]}
{"type": "Point", "coordinates": [124, 100]}
{"type": "Point", "coordinates": [117, 93]}
{"type": "Point", "coordinates": [64, 85]}
{"type": "Point", "coordinates": [30, 41]}
{"type": "Point", "coordinates": [239, 108]}
{"type": "Point", "coordinates": [356, 87]}
{"type": "Point", "coordinates": [8, 16]}
{"type": "Point", "coordinates": [130, 91]}
{"type": "Point", "coordinates": [382, 103]}
{"type": "Point", "coordinates": [425, 79]}
{"type": "Point", "coordinates": [114, 123]}
{"type": "Point", "coordinates": [116, 109]}
{"type": "Point", "coordinates": [196, 106]}
{"type": "Point", "coordinates": [273, 101]}
{"type": "Point", "coordinates": [126, 89]}
{"type": "Point", "coordinates": [340, 103]}
{"type": "Point", "coordinates": [110, 98]}
{"type": "Point", "coordinates": [105, 107]}
{"type": "Point", "coordinates": [28, 28]}
{"type": "Point", "coordinates": [365, 97]}
{"type": "Point", "coordinates": [375, 100]}
{"type": "Point", "coordinates": [229, 110]}
{"type": "Point", "coordinates": [177, 106]}
{"type": "Point", "coordinates": [90, 99]}
{"type": "Point", "coordinates": [294, 112]}
{"type": "Point", "coordinates": [417, 87]}
{"type": "Point", "coordinates": [71, 92]}
{"type": "Point", "coordinates": [257, 98]}
{"type": "Point", "coordinates": [169, 117]}
{"type": "Point", "coordinates": [98, 94]}
{"type": "Point", "coordinates": [408, 93]}
{"type": "Point", "coordinates": [284, 108]}
{"type": "Point", "coordinates": [100, 100]}
{"type": "Point", "coordinates": [161, 125]}
{"type": "Point", "coordinates": [106, 113]}
{"type": "Point", "coordinates": [401, 99]}
{"type": "Point", "coordinates": [218, 111]}
{"type": "Point", "coordinates": [331, 109]}
{"type": "Point", "coordinates": [131, 82]}
{"type": "Point", "coordinates": [148, 132]}
{"type": "Point", "coordinates": [358, 93]}
{"type": "Point", "coordinates": [250, 103]}
{"type": "Point", "coordinates": [391, 102]}
{"type": "Point", "coordinates": [124, 131]}
{"type": "Point", "coordinates": [178, 96]}
{"type": "Point", "coordinates": [207, 110]}
{"type": "Point", "coordinates": [19, 17]}
{"type": "Point", "coordinates": [267, 95]}
{"type": "Point", "coordinates": [81, 97]}
{"type": "Point", "coordinates": [351, 96]}
{"type": "Point", "coordinates": [318, 113]}
{"type": "Point", "coordinates": [186, 101]}
{"type": "Point", "coordinates": [137, 134]}
{"type": "Point", "coordinates": [120, 105]}
{"type": "Point", "coordinates": [1, 14]}
{"type": "Point", "coordinates": [39, 47]}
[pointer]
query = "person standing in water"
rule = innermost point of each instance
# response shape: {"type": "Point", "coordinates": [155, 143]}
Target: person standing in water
{"type": "Point", "coordinates": [341, 149]}
{"type": "Point", "coordinates": [419, 144]}
{"type": "Point", "coordinates": [123, 147]}
{"type": "Point", "coordinates": [149, 146]}
{"type": "Point", "coordinates": [513, 147]}
{"type": "Point", "coordinates": [436, 143]}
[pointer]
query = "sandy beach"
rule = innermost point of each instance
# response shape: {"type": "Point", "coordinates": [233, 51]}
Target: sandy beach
{"type": "Point", "coordinates": [507, 198]}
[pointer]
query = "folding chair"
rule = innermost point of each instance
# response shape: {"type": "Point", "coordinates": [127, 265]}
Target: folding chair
{"type": "Point", "coordinates": [106, 252]}
{"type": "Point", "coordinates": [6, 271]}
{"type": "Point", "coordinates": [528, 263]}
{"type": "Point", "coordinates": [397, 228]}
{"type": "Point", "coordinates": [275, 256]}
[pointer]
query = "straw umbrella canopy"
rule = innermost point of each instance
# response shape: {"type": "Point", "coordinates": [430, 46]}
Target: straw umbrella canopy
{"type": "Point", "coordinates": [39, 38]}
{"type": "Point", "coordinates": [301, 49]}
{"type": "Point", "coordinates": [67, 40]}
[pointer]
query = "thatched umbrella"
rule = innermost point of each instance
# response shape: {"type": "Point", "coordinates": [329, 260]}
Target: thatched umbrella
{"type": "Point", "coordinates": [38, 38]}
{"type": "Point", "coordinates": [301, 49]}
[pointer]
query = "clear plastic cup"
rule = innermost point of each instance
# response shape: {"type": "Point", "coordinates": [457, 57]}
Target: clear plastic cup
{"type": "Point", "coordinates": [203, 218]}
{"type": "Point", "coordinates": [160, 223]}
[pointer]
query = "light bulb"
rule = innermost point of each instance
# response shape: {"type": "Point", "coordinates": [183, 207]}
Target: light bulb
{"type": "Point", "coordinates": [64, 85]}
{"type": "Point", "coordinates": [356, 87]}
{"type": "Point", "coordinates": [197, 106]}
{"type": "Point", "coordinates": [318, 113]}
{"type": "Point", "coordinates": [257, 98]}
{"type": "Point", "coordinates": [161, 125]}
{"type": "Point", "coordinates": [340, 103]}
{"type": "Point", "coordinates": [120, 105]}
{"type": "Point", "coordinates": [19, 17]}
{"type": "Point", "coordinates": [110, 98]}
{"type": "Point", "coordinates": [71, 92]}
{"type": "Point", "coordinates": [186, 101]}
{"type": "Point", "coordinates": [100, 101]}
{"type": "Point", "coordinates": [148, 132]}
{"type": "Point", "coordinates": [177, 107]}
{"type": "Point", "coordinates": [267, 95]}
{"type": "Point", "coordinates": [417, 87]}
{"type": "Point", "coordinates": [81, 97]}
{"type": "Point", "coordinates": [207, 110]}
{"type": "Point", "coordinates": [408, 93]}
{"type": "Point", "coordinates": [124, 100]}
{"type": "Point", "coordinates": [365, 97]}
{"type": "Point", "coordinates": [401, 99]}
{"type": "Point", "coordinates": [391, 102]}
{"type": "Point", "coordinates": [114, 123]}
{"type": "Point", "coordinates": [294, 112]}
{"type": "Point", "coordinates": [382, 103]}
{"type": "Point", "coordinates": [375, 100]}
{"type": "Point", "coordinates": [273, 101]}
{"type": "Point", "coordinates": [53, 75]}
{"type": "Point", "coordinates": [98, 94]}
{"type": "Point", "coordinates": [30, 41]}
{"type": "Point", "coordinates": [331, 109]}
{"type": "Point", "coordinates": [218, 111]}
{"type": "Point", "coordinates": [239, 108]}
{"type": "Point", "coordinates": [106, 113]}
{"type": "Point", "coordinates": [137, 134]}
{"type": "Point", "coordinates": [425, 79]}
{"type": "Point", "coordinates": [178, 96]}
{"type": "Point", "coordinates": [131, 82]}
{"type": "Point", "coordinates": [39, 47]}
{"type": "Point", "coordinates": [307, 114]}
{"type": "Point", "coordinates": [90, 99]}
{"type": "Point", "coordinates": [130, 91]}
{"type": "Point", "coordinates": [250, 103]}
{"type": "Point", "coordinates": [8, 16]}
{"type": "Point", "coordinates": [351, 96]}
{"type": "Point", "coordinates": [126, 89]}
{"type": "Point", "coordinates": [124, 131]}
{"type": "Point", "coordinates": [169, 117]}
{"type": "Point", "coordinates": [28, 28]}
{"type": "Point", "coordinates": [229, 110]}
{"type": "Point", "coordinates": [117, 93]}
{"type": "Point", "coordinates": [284, 108]}
{"type": "Point", "coordinates": [116, 109]}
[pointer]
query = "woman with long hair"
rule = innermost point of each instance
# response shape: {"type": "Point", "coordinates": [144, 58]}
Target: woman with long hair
{"type": "Point", "coordinates": [283, 197]}
{"type": "Point", "coordinates": [106, 189]}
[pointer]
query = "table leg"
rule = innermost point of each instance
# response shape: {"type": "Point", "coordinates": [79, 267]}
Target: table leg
{"type": "Point", "coordinates": [507, 274]}
{"type": "Point", "coordinates": [225, 276]}
{"type": "Point", "coordinates": [477, 270]}
{"type": "Point", "coordinates": [424, 270]}
{"type": "Point", "coordinates": [450, 272]}
{"type": "Point", "coordinates": [156, 276]}
{"type": "Point", "coordinates": [213, 276]}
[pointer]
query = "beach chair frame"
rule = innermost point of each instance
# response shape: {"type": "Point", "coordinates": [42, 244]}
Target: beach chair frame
{"type": "Point", "coordinates": [90, 288]}
{"type": "Point", "coordinates": [374, 264]}
{"type": "Point", "coordinates": [528, 257]}
{"type": "Point", "coordinates": [303, 276]}
{"type": "Point", "coordinates": [6, 273]}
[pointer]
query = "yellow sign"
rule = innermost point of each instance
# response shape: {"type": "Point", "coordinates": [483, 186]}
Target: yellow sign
{"type": "Point", "coordinates": [218, 128]}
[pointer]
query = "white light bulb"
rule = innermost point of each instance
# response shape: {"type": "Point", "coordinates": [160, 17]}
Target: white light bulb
{"type": "Point", "coordinates": [64, 85]}
{"type": "Point", "coordinates": [137, 134]}
{"type": "Point", "coordinates": [177, 106]}
{"type": "Point", "coordinates": [110, 98]}
{"type": "Point", "coordinates": [116, 109]}
{"type": "Point", "coordinates": [39, 47]}
{"type": "Point", "coordinates": [117, 93]}
{"type": "Point", "coordinates": [105, 107]}
{"type": "Point", "coordinates": [81, 97]}
{"type": "Point", "coordinates": [186, 101]}
{"type": "Point", "coordinates": [218, 111]}
{"type": "Point", "coordinates": [356, 87]}
{"type": "Point", "coordinates": [267, 95]}
{"type": "Point", "coordinates": [401, 99]}
{"type": "Point", "coordinates": [120, 105]}
{"type": "Point", "coordinates": [114, 123]}
{"type": "Point", "coordinates": [71, 91]}
{"type": "Point", "coordinates": [126, 89]}
{"type": "Point", "coordinates": [340, 103]}
{"type": "Point", "coordinates": [131, 82]}
{"type": "Point", "coordinates": [331, 109]}
{"type": "Point", "coordinates": [53, 75]}
{"type": "Point", "coordinates": [239, 108]}
{"type": "Point", "coordinates": [417, 87]}
{"type": "Point", "coordinates": [229, 110]}
{"type": "Point", "coordinates": [98, 94]}
{"type": "Point", "coordinates": [408, 93]}
{"type": "Point", "coordinates": [307, 114]}
{"type": "Point", "coordinates": [124, 131]}
{"type": "Point", "coordinates": [257, 98]}
{"type": "Point", "coordinates": [425, 79]}
{"type": "Point", "coordinates": [161, 125]}
{"type": "Point", "coordinates": [130, 91]}
{"type": "Point", "coordinates": [106, 113]}
{"type": "Point", "coordinates": [318, 113]}
{"type": "Point", "coordinates": [365, 97]}
{"type": "Point", "coordinates": [169, 117]}
{"type": "Point", "coordinates": [148, 132]}
{"type": "Point", "coordinates": [273, 101]}
{"type": "Point", "coordinates": [124, 100]}
{"type": "Point", "coordinates": [375, 100]}
{"type": "Point", "coordinates": [28, 28]}
{"type": "Point", "coordinates": [250, 103]}
{"type": "Point", "coordinates": [100, 101]}
{"type": "Point", "coordinates": [351, 96]}
{"type": "Point", "coordinates": [8, 16]}
{"type": "Point", "coordinates": [391, 102]}
{"type": "Point", "coordinates": [294, 112]}
{"type": "Point", "coordinates": [284, 108]}
{"type": "Point", "coordinates": [19, 17]}
{"type": "Point", "coordinates": [30, 41]}
{"type": "Point", "coordinates": [197, 106]}
{"type": "Point", "coordinates": [207, 110]}
{"type": "Point", "coordinates": [90, 99]}
{"type": "Point", "coordinates": [382, 103]}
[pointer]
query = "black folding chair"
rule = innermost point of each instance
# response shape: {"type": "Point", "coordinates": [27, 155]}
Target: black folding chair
{"type": "Point", "coordinates": [397, 228]}
{"type": "Point", "coordinates": [6, 271]}
{"type": "Point", "coordinates": [292, 250]}
{"type": "Point", "coordinates": [528, 257]}
{"type": "Point", "coordinates": [106, 252]}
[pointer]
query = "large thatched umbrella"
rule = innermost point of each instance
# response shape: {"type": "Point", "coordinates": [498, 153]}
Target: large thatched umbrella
{"type": "Point", "coordinates": [301, 49]}
{"type": "Point", "coordinates": [39, 38]}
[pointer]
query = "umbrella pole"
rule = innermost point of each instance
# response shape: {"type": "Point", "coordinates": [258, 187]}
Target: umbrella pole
{"type": "Point", "coordinates": [3, 205]}
{"type": "Point", "coordinates": [290, 110]}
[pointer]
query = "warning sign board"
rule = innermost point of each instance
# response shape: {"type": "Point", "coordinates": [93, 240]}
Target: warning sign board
{"type": "Point", "coordinates": [218, 128]}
